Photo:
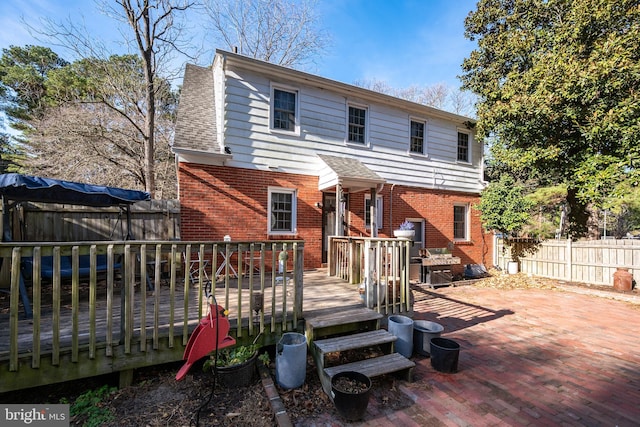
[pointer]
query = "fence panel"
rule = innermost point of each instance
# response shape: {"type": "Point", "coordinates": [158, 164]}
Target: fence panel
{"type": "Point", "coordinates": [49, 222]}
{"type": "Point", "coordinates": [588, 261]}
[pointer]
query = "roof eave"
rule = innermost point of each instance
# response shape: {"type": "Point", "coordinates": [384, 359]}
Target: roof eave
{"type": "Point", "coordinates": [323, 82]}
{"type": "Point", "coordinates": [188, 155]}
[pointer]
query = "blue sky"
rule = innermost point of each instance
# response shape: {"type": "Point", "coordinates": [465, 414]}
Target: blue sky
{"type": "Point", "coordinates": [401, 42]}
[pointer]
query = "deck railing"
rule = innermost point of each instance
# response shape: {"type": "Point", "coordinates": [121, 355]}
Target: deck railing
{"type": "Point", "coordinates": [82, 309]}
{"type": "Point", "coordinates": [379, 266]}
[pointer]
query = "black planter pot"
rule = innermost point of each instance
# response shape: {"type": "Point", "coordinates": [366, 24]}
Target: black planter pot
{"type": "Point", "coordinates": [444, 355]}
{"type": "Point", "coordinates": [240, 375]}
{"type": "Point", "coordinates": [351, 405]}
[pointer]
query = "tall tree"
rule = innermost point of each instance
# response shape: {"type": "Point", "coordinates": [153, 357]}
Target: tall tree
{"type": "Point", "coordinates": [92, 141]}
{"type": "Point", "coordinates": [283, 32]}
{"type": "Point", "coordinates": [559, 89]}
{"type": "Point", "coordinates": [155, 33]}
{"type": "Point", "coordinates": [23, 75]}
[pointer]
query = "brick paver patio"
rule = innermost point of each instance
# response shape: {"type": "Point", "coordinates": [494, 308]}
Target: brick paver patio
{"type": "Point", "coordinates": [528, 357]}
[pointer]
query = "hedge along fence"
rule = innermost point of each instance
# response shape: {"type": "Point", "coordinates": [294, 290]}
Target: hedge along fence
{"type": "Point", "coordinates": [585, 261]}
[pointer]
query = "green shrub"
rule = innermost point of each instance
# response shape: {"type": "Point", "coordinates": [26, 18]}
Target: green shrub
{"type": "Point", "coordinates": [89, 407]}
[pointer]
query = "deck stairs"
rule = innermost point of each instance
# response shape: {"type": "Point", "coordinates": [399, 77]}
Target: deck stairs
{"type": "Point", "coordinates": [353, 328]}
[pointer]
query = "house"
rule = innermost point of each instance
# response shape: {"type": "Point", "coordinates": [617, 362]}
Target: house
{"type": "Point", "coordinates": [266, 152]}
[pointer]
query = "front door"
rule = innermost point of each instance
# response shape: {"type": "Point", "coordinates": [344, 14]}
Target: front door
{"type": "Point", "coordinates": [328, 222]}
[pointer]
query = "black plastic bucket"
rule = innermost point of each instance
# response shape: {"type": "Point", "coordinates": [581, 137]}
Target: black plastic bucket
{"type": "Point", "coordinates": [444, 355]}
{"type": "Point", "coordinates": [351, 405]}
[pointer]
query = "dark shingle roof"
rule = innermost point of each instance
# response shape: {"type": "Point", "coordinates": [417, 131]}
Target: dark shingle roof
{"type": "Point", "coordinates": [196, 123]}
{"type": "Point", "coordinates": [346, 167]}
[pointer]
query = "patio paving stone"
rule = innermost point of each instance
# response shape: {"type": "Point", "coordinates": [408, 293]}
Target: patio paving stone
{"type": "Point", "coordinates": [528, 357]}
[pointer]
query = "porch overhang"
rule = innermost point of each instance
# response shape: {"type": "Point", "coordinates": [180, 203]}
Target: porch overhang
{"type": "Point", "coordinates": [350, 173]}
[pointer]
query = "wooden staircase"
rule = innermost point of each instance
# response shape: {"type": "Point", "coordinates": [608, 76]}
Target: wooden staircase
{"type": "Point", "coordinates": [352, 329]}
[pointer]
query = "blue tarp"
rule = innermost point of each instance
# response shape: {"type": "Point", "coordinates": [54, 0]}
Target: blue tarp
{"type": "Point", "coordinates": [18, 187]}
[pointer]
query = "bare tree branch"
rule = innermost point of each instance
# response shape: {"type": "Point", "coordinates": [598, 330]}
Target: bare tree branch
{"type": "Point", "coordinates": [154, 31]}
{"type": "Point", "coordinates": [283, 32]}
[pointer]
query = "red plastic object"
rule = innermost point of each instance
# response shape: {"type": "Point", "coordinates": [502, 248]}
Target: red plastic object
{"type": "Point", "coordinates": [203, 338]}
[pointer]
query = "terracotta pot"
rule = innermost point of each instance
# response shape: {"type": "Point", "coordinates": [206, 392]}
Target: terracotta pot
{"type": "Point", "coordinates": [622, 279]}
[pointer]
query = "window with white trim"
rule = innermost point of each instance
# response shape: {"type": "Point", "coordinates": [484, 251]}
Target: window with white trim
{"type": "Point", "coordinates": [357, 124]}
{"type": "Point", "coordinates": [284, 109]}
{"type": "Point", "coordinates": [282, 210]}
{"type": "Point", "coordinates": [461, 222]}
{"type": "Point", "coordinates": [463, 147]}
{"type": "Point", "coordinates": [367, 211]}
{"type": "Point", "coordinates": [416, 143]}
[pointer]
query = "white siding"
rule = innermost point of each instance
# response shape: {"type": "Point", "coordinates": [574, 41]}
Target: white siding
{"type": "Point", "coordinates": [323, 131]}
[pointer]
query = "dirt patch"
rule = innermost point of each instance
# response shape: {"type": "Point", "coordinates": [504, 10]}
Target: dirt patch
{"type": "Point", "coordinates": [157, 399]}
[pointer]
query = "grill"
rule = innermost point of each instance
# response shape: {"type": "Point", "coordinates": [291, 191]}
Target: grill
{"type": "Point", "coordinates": [436, 264]}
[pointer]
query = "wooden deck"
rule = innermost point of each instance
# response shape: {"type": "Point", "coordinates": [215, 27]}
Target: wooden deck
{"type": "Point", "coordinates": [317, 287]}
{"type": "Point", "coordinates": [131, 319]}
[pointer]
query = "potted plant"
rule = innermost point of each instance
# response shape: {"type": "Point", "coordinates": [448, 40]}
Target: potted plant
{"type": "Point", "coordinates": [405, 231]}
{"type": "Point", "coordinates": [234, 366]}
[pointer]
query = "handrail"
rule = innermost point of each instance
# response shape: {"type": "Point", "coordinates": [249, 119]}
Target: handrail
{"type": "Point", "coordinates": [379, 265]}
{"type": "Point", "coordinates": [127, 298]}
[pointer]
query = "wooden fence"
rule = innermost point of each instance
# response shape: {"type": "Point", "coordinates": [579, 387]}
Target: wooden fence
{"type": "Point", "coordinates": [155, 220]}
{"type": "Point", "coordinates": [50, 222]}
{"type": "Point", "coordinates": [588, 261]}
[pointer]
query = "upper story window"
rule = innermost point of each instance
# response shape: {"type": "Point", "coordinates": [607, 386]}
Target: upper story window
{"type": "Point", "coordinates": [284, 109]}
{"type": "Point", "coordinates": [416, 144]}
{"type": "Point", "coordinates": [461, 222]}
{"type": "Point", "coordinates": [367, 211]}
{"type": "Point", "coordinates": [282, 211]}
{"type": "Point", "coordinates": [463, 147]}
{"type": "Point", "coordinates": [357, 124]}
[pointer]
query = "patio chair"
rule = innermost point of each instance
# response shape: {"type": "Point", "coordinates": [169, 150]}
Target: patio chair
{"type": "Point", "coordinates": [194, 269]}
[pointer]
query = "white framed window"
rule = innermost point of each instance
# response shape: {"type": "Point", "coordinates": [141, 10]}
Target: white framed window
{"type": "Point", "coordinates": [284, 109]}
{"type": "Point", "coordinates": [417, 132]}
{"type": "Point", "coordinates": [461, 222]}
{"type": "Point", "coordinates": [464, 147]}
{"type": "Point", "coordinates": [357, 124]}
{"type": "Point", "coordinates": [282, 210]}
{"type": "Point", "coordinates": [367, 211]}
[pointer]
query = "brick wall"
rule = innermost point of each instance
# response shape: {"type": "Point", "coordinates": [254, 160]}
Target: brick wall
{"type": "Point", "coordinates": [216, 201]}
{"type": "Point", "coordinates": [436, 208]}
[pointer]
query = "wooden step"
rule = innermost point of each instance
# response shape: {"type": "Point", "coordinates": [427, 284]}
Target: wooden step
{"type": "Point", "coordinates": [332, 322]}
{"type": "Point", "coordinates": [389, 363]}
{"type": "Point", "coordinates": [336, 317]}
{"type": "Point", "coordinates": [355, 341]}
